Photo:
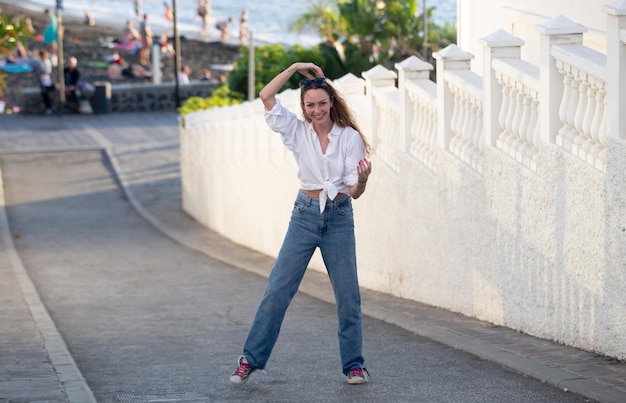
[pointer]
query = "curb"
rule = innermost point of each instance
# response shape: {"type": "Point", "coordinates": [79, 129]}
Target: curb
{"type": "Point", "coordinates": [74, 385]}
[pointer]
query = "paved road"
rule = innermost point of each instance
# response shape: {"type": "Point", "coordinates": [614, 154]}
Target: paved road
{"type": "Point", "coordinates": [94, 209]}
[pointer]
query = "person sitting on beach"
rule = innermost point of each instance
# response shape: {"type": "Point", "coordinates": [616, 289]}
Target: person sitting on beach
{"type": "Point", "coordinates": [224, 28]}
{"type": "Point", "coordinates": [72, 80]}
{"type": "Point", "coordinates": [19, 55]}
{"type": "Point", "coordinates": [167, 50]}
{"type": "Point", "coordinates": [130, 37]}
{"type": "Point", "coordinates": [207, 76]}
{"type": "Point", "coordinates": [183, 75]}
{"type": "Point", "coordinates": [115, 67]}
{"type": "Point", "coordinates": [89, 20]}
{"type": "Point", "coordinates": [118, 69]}
{"type": "Point", "coordinates": [136, 70]}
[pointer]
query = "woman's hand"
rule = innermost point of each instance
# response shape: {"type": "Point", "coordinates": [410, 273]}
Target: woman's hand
{"type": "Point", "coordinates": [309, 70]}
{"type": "Point", "coordinates": [364, 169]}
{"type": "Point", "coordinates": [268, 93]}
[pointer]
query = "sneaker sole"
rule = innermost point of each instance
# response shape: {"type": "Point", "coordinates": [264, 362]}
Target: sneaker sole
{"type": "Point", "coordinates": [236, 384]}
{"type": "Point", "coordinates": [357, 381]}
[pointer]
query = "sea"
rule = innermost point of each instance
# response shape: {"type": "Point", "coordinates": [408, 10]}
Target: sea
{"type": "Point", "coordinates": [270, 20]}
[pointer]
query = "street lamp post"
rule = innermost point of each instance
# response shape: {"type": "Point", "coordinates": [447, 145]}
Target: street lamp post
{"type": "Point", "coordinates": [251, 72]}
{"type": "Point", "coordinates": [176, 52]}
{"type": "Point", "coordinates": [425, 42]}
{"type": "Point", "coordinates": [60, 59]}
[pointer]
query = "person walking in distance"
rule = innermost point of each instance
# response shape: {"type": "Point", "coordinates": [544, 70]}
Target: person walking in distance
{"type": "Point", "coordinates": [146, 41]}
{"type": "Point", "coordinates": [204, 11]}
{"type": "Point", "coordinates": [333, 169]}
{"type": "Point", "coordinates": [243, 27]}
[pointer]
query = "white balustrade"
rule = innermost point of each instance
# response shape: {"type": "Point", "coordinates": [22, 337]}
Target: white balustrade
{"type": "Point", "coordinates": [583, 103]}
{"type": "Point", "coordinates": [388, 125]}
{"type": "Point", "coordinates": [518, 117]}
{"type": "Point", "coordinates": [423, 127]}
{"type": "Point", "coordinates": [467, 117]}
{"type": "Point", "coordinates": [384, 121]}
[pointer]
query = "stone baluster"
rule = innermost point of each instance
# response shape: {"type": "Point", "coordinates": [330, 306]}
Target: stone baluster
{"type": "Point", "coordinates": [376, 77]}
{"type": "Point", "coordinates": [499, 44]}
{"type": "Point", "coordinates": [450, 58]}
{"type": "Point", "coordinates": [557, 31]}
{"type": "Point", "coordinates": [411, 69]}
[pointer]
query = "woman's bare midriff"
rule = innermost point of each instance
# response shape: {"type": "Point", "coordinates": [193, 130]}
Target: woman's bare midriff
{"type": "Point", "coordinates": [315, 194]}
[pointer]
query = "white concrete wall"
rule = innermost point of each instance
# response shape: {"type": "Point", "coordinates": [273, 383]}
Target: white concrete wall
{"type": "Point", "coordinates": [542, 252]}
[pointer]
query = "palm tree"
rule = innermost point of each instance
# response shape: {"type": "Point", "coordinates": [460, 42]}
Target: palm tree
{"type": "Point", "coordinates": [402, 26]}
{"type": "Point", "coordinates": [323, 16]}
{"type": "Point", "coordinates": [363, 21]}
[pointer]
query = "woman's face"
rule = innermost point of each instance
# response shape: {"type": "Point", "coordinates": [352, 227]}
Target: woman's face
{"type": "Point", "coordinates": [317, 104]}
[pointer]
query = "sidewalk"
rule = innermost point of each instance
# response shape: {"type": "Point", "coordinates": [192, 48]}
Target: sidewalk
{"type": "Point", "coordinates": [143, 151]}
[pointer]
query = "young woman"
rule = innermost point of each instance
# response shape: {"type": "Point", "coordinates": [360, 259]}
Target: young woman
{"type": "Point", "coordinates": [333, 169]}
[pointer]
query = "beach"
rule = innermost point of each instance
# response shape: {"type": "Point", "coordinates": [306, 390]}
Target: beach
{"type": "Point", "coordinates": [84, 42]}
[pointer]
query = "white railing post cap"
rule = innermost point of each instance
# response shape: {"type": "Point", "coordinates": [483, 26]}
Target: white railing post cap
{"type": "Point", "coordinates": [502, 39]}
{"type": "Point", "coordinates": [561, 25]}
{"type": "Point", "coordinates": [348, 79]}
{"type": "Point", "coordinates": [453, 53]}
{"type": "Point", "coordinates": [413, 63]}
{"type": "Point", "coordinates": [350, 84]}
{"type": "Point", "coordinates": [378, 72]}
{"type": "Point", "coordinates": [617, 8]}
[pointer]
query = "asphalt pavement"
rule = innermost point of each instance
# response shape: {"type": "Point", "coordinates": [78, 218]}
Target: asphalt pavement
{"type": "Point", "coordinates": [111, 293]}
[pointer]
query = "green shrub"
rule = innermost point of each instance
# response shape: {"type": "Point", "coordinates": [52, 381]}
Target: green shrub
{"type": "Point", "coordinates": [222, 96]}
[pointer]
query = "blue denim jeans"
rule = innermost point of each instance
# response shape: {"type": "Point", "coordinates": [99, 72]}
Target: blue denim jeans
{"type": "Point", "coordinates": [333, 232]}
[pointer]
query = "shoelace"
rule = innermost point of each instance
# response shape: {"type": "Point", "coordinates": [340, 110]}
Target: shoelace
{"type": "Point", "coordinates": [358, 373]}
{"type": "Point", "coordinates": [242, 369]}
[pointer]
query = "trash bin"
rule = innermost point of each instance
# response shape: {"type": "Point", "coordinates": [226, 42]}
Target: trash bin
{"type": "Point", "coordinates": [102, 97]}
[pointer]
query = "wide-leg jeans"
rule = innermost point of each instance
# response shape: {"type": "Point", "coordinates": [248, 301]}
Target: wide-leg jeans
{"type": "Point", "coordinates": [333, 232]}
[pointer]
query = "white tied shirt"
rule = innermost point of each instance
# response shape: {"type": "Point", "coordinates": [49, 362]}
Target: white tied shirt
{"type": "Point", "coordinates": [333, 172]}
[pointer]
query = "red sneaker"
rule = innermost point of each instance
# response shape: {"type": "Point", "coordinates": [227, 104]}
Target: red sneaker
{"type": "Point", "coordinates": [242, 373]}
{"type": "Point", "coordinates": [358, 376]}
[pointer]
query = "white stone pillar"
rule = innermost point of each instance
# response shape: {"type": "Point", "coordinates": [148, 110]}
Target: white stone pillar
{"type": "Point", "coordinates": [450, 58]}
{"type": "Point", "coordinates": [557, 31]}
{"type": "Point", "coordinates": [350, 85]}
{"type": "Point", "coordinates": [616, 69]}
{"type": "Point", "coordinates": [499, 45]}
{"type": "Point", "coordinates": [377, 76]}
{"type": "Point", "coordinates": [411, 69]}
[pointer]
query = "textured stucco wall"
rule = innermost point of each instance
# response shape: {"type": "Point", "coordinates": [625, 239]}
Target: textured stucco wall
{"type": "Point", "coordinates": [543, 252]}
